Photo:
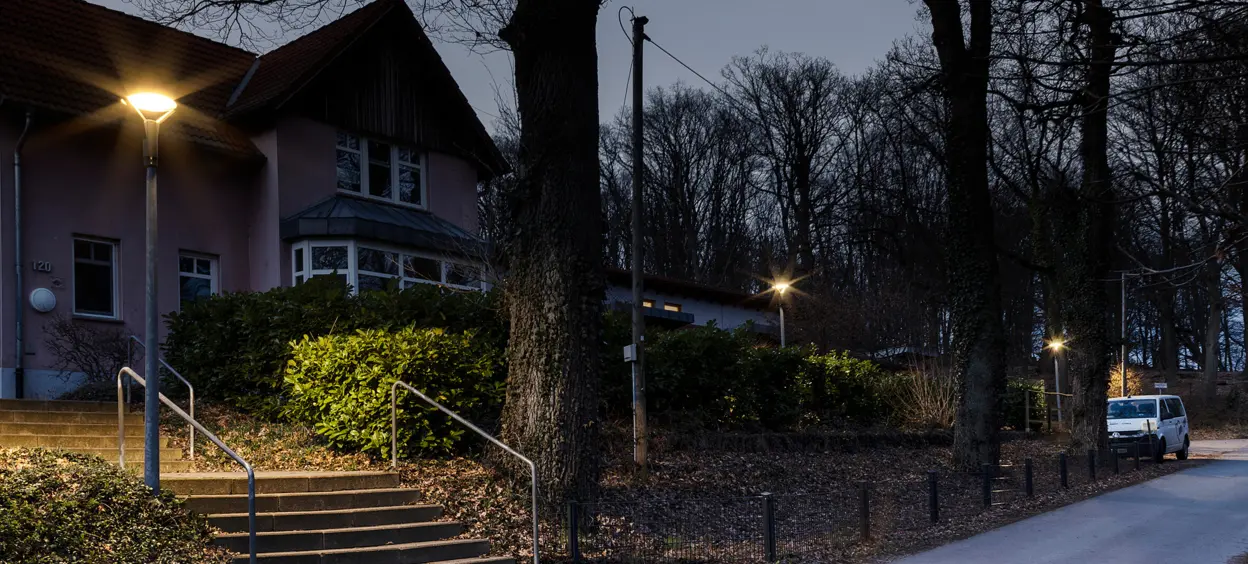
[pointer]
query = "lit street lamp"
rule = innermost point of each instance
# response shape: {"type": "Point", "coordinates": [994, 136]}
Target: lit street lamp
{"type": "Point", "coordinates": [1056, 346]}
{"type": "Point", "coordinates": [781, 287]}
{"type": "Point", "coordinates": [154, 109]}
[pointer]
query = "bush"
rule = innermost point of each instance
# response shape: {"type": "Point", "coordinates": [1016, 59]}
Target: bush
{"type": "Point", "coordinates": [66, 507]}
{"type": "Point", "coordinates": [1015, 392]}
{"type": "Point", "coordinates": [234, 347]}
{"type": "Point", "coordinates": [695, 375]}
{"type": "Point", "coordinates": [340, 384]}
{"type": "Point", "coordinates": [927, 397]}
{"type": "Point", "coordinates": [853, 389]}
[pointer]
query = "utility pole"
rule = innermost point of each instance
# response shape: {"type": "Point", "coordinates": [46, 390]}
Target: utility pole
{"type": "Point", "coordinates": [1124, 334]}
{"type": "Point", "coordinates": [639, 323]}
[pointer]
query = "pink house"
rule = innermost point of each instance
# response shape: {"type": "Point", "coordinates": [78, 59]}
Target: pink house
{"type": "Point", "coordinates": [348, 152]}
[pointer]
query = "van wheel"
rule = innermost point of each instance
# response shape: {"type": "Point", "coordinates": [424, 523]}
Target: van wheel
{"type": "Point", "coordinates": [1160, 453]}
{"type": "Point", "coordinates": [1182, 454]}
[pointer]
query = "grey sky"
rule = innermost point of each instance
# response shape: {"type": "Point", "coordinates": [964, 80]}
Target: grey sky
{"type": "Point", "coordinates": [706, 34]}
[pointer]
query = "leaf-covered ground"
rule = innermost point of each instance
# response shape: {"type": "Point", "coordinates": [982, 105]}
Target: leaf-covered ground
{"type": "Point", "coordinates": [706, 505]}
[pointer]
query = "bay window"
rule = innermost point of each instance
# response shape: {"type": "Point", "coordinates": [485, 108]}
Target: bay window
{"type": "Point", "coordinates": [368, 266]}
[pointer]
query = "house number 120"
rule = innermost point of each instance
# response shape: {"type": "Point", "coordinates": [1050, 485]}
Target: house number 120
{"type": "Point", "coordinates": [43, 266]}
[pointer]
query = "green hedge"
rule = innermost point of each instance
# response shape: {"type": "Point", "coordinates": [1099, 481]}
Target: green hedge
{"type": "Point", "coordinates": [67, 507]}
{"type": "Point", "coordinates": [234, 347]}
{"type": "Point", "coordinates": [340, 384]}
{"type": "Point", "coordinates": [707, 377]}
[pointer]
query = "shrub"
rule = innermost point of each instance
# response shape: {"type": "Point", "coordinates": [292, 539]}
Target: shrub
{"type": "Point", "coordinates": [234, 347]}
{"type": "Point", "coordinates": [66, 507]}
{"type": "Point", "coordinates": [854, 389]}
{"type": "Point", "coordinates": [1015, 392]}
{"type": "Point", "coordinates": [771, 381]}
{"type": "Point", "coordinates": [340, 384]}
{"type": "Point", "coordinates": [96, 352]}
{"type": "Point", "coordinates": [927, 397]}
{"type": "Point", "coordinates": [695, 375]}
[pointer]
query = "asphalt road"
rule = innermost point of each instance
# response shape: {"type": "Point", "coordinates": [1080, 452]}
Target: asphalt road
{"type": "Point", "coordinates": [1196, 516]}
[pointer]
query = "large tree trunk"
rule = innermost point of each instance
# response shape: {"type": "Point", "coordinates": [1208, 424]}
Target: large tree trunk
{"type": "Point", "coordinates": [1213, 330]}
{"type": "Point", "coordinates": [555, 286]}
{"type": "Point", "coordinates": [1089, 242]}
{"type": "Point", "coordinates": [974, 279]}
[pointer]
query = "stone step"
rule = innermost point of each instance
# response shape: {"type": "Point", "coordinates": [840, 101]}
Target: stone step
{"type": "Point", "coordinates": [333, 519]}
{"type": "Point", "coordinates": [78, 429]}
{"type": "Point", "coordinates": [221, 483]}
{"type": "Point", "coordinates": [434, 551]}
{"type": "Point", "coordinates": [331, 539]}
{"type": "Point", "coordinates": [303, 501]}
{"type": "Point", "coordinates": [74, 441]}
{"type": "Point", "coordinates": [166, 466]}
{"type": "Point", "coordinates": [66, 417]}
{"type": "Point", "coordinates": [58, 405]}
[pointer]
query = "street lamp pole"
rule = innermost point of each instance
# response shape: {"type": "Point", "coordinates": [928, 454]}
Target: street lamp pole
{"type": "Point", "coordinates": [780, 287]}
{"type": "Point", "coordinates": [155, 109]}
{"type": "Point", "coordinates": [1124, 335]}
{"type": "Point", "coordinates": [1056, 347]}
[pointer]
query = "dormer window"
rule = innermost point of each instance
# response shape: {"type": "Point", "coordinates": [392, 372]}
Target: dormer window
{"type": "Point", "coordinates": [380, 170]}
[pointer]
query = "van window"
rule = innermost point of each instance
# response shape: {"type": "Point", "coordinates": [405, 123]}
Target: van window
{"type": "Point", "coordinates": [1132, 409]}
{"type": "Point", "coordinates": [1176, 407]}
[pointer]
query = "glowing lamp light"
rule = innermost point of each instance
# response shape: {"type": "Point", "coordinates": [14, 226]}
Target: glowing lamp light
{"type": "Point", "coordinates": [151, 105]}
{"type": "Point", "coordinates": [1057, 345]}
{"type": "Point", "coordinates": [780, 287]}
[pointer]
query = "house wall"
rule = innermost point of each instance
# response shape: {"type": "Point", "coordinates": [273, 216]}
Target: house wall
{"type": "Point", "coordinates": [92, 183]}
{"type": "Point", "coordinates": [452, 190]}
{"type": "Point", "coordinates": [725, 316]}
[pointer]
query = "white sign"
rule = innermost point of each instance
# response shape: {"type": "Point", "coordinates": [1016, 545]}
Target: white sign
{"type": "Point", "coordinates": [1161, 385]}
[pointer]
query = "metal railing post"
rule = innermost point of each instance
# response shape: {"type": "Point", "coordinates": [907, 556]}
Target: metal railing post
{"type": "Point", "coordinates": [1061, 469]}
{"type": "Point", "coordinates": [1027, 478]}
{"type": "Point", "coordinates": [251, 474]}
{"type": "Point", "coordinates": [985, 471]}
{"type": "Point", "coordinates": [864, 509]}
{"type": "Point", "coordinates": [574, 539]}
{"type": "Point", "coordinates": [769, 528]}
{"type": "Point", "coordinates": [933, 496]}
{"type": "Point", "coordinates": [190, 389]}
{"type": "Point", "coordinates": [394, 459]}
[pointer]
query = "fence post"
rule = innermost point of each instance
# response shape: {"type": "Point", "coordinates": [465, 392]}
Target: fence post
{"type": "Point", "coordinates": [1114, 454]}
{"type": "Point", "coordinates": [985, 471]}
{"type": "Point", "coordinates": [933, 496]}
{"type": "Point", "coordinates": [1026, 412]}
{"type": "Point", "coordinates": [1061, 468]}
{"type": "Point", "coordinates": [1137, 454]}
{"type": "Point", "coordinates": [864, 509]}
{"type": "Point", "coordinates": [1091, 465]}
{"type": "Point", "coordinates": [769, 527]}
{"type": "Point", "coordinates": [574, 540]}
{"type": "Point", "coordinates": [1027, 480]}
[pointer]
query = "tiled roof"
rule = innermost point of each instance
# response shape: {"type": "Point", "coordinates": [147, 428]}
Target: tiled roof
{"type": "Point", "coordinates": [284, 70]}
{"type": "Point", "coordinates": [350, 216]}
{"type": "Point", "coordinates": [79, 59]}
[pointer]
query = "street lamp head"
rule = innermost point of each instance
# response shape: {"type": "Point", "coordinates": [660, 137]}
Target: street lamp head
{"type": "Point", "coordinates": [151, 105]}
{"type": "Point", "coordinates": [780, 287]}
{"type": "Point", "coordinates": [1056, 345]}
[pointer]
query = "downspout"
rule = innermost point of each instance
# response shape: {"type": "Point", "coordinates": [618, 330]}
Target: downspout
{"type": "Point", "coordinates": [19, 374]}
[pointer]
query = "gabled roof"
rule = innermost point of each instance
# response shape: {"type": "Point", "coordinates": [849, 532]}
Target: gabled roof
{"type": "Point", "coordinates": [282, 72]}
{"type": "Point", "coordinates": [355, 217]}
{"type": "Point", "coordinates": [675, 286]}
{"type": "Point", "coordinates": [78, 59]}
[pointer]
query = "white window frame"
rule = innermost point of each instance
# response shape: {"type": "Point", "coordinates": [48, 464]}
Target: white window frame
{"type": "Point", "coordinates": [213, 278]}
{"type": "Point", "coordinates": [352, 271]}
{"type": "Point", "coordinates": [116, 268]}
{"type": "Point", "coordinates": [395, 163]}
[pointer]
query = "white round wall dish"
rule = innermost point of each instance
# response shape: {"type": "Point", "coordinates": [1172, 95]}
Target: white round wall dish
{"type": "Point", "coordinates": [43, 300]}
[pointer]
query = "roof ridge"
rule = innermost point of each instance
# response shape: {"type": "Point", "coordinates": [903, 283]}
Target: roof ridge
{"type": "Point", "coordinates": [145, 21]}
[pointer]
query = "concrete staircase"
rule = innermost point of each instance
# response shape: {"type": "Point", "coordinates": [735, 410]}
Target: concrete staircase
{"type": "Point", "coordinates": [326, 517]}
{"type": "Point", "coordinates": [80, 426]}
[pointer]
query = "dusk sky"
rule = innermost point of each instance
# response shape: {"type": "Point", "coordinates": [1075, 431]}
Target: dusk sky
{"type": "Point", "coordinates": [706, 34]}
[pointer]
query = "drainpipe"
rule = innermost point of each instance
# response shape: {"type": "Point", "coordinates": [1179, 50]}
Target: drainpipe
{"type": "Point", "coordinates": [19, 374]}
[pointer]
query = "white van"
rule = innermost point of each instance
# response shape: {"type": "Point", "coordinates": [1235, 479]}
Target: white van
{"type": "Point", "coordinates": [1158, 423]}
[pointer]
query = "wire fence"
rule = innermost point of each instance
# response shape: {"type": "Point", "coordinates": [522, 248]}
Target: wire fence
{"type": "Point", "coordinates": [826, 525]}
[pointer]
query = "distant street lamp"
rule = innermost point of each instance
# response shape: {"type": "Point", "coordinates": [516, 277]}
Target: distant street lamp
{"type": "Point", "coordinates": [1056, 346]}
{"type": "Point", "coordinates": [780, 287]}
{"type": "Point", "coordinates": [154, 109]}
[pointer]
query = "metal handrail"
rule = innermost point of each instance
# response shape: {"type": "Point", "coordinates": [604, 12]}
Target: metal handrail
{"type": "Point", "coordinates": [179, 377]}
{"type": "Point", "coordinates": [251, 474]}
{"type": "Point", "coordinates": [394, 445]}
